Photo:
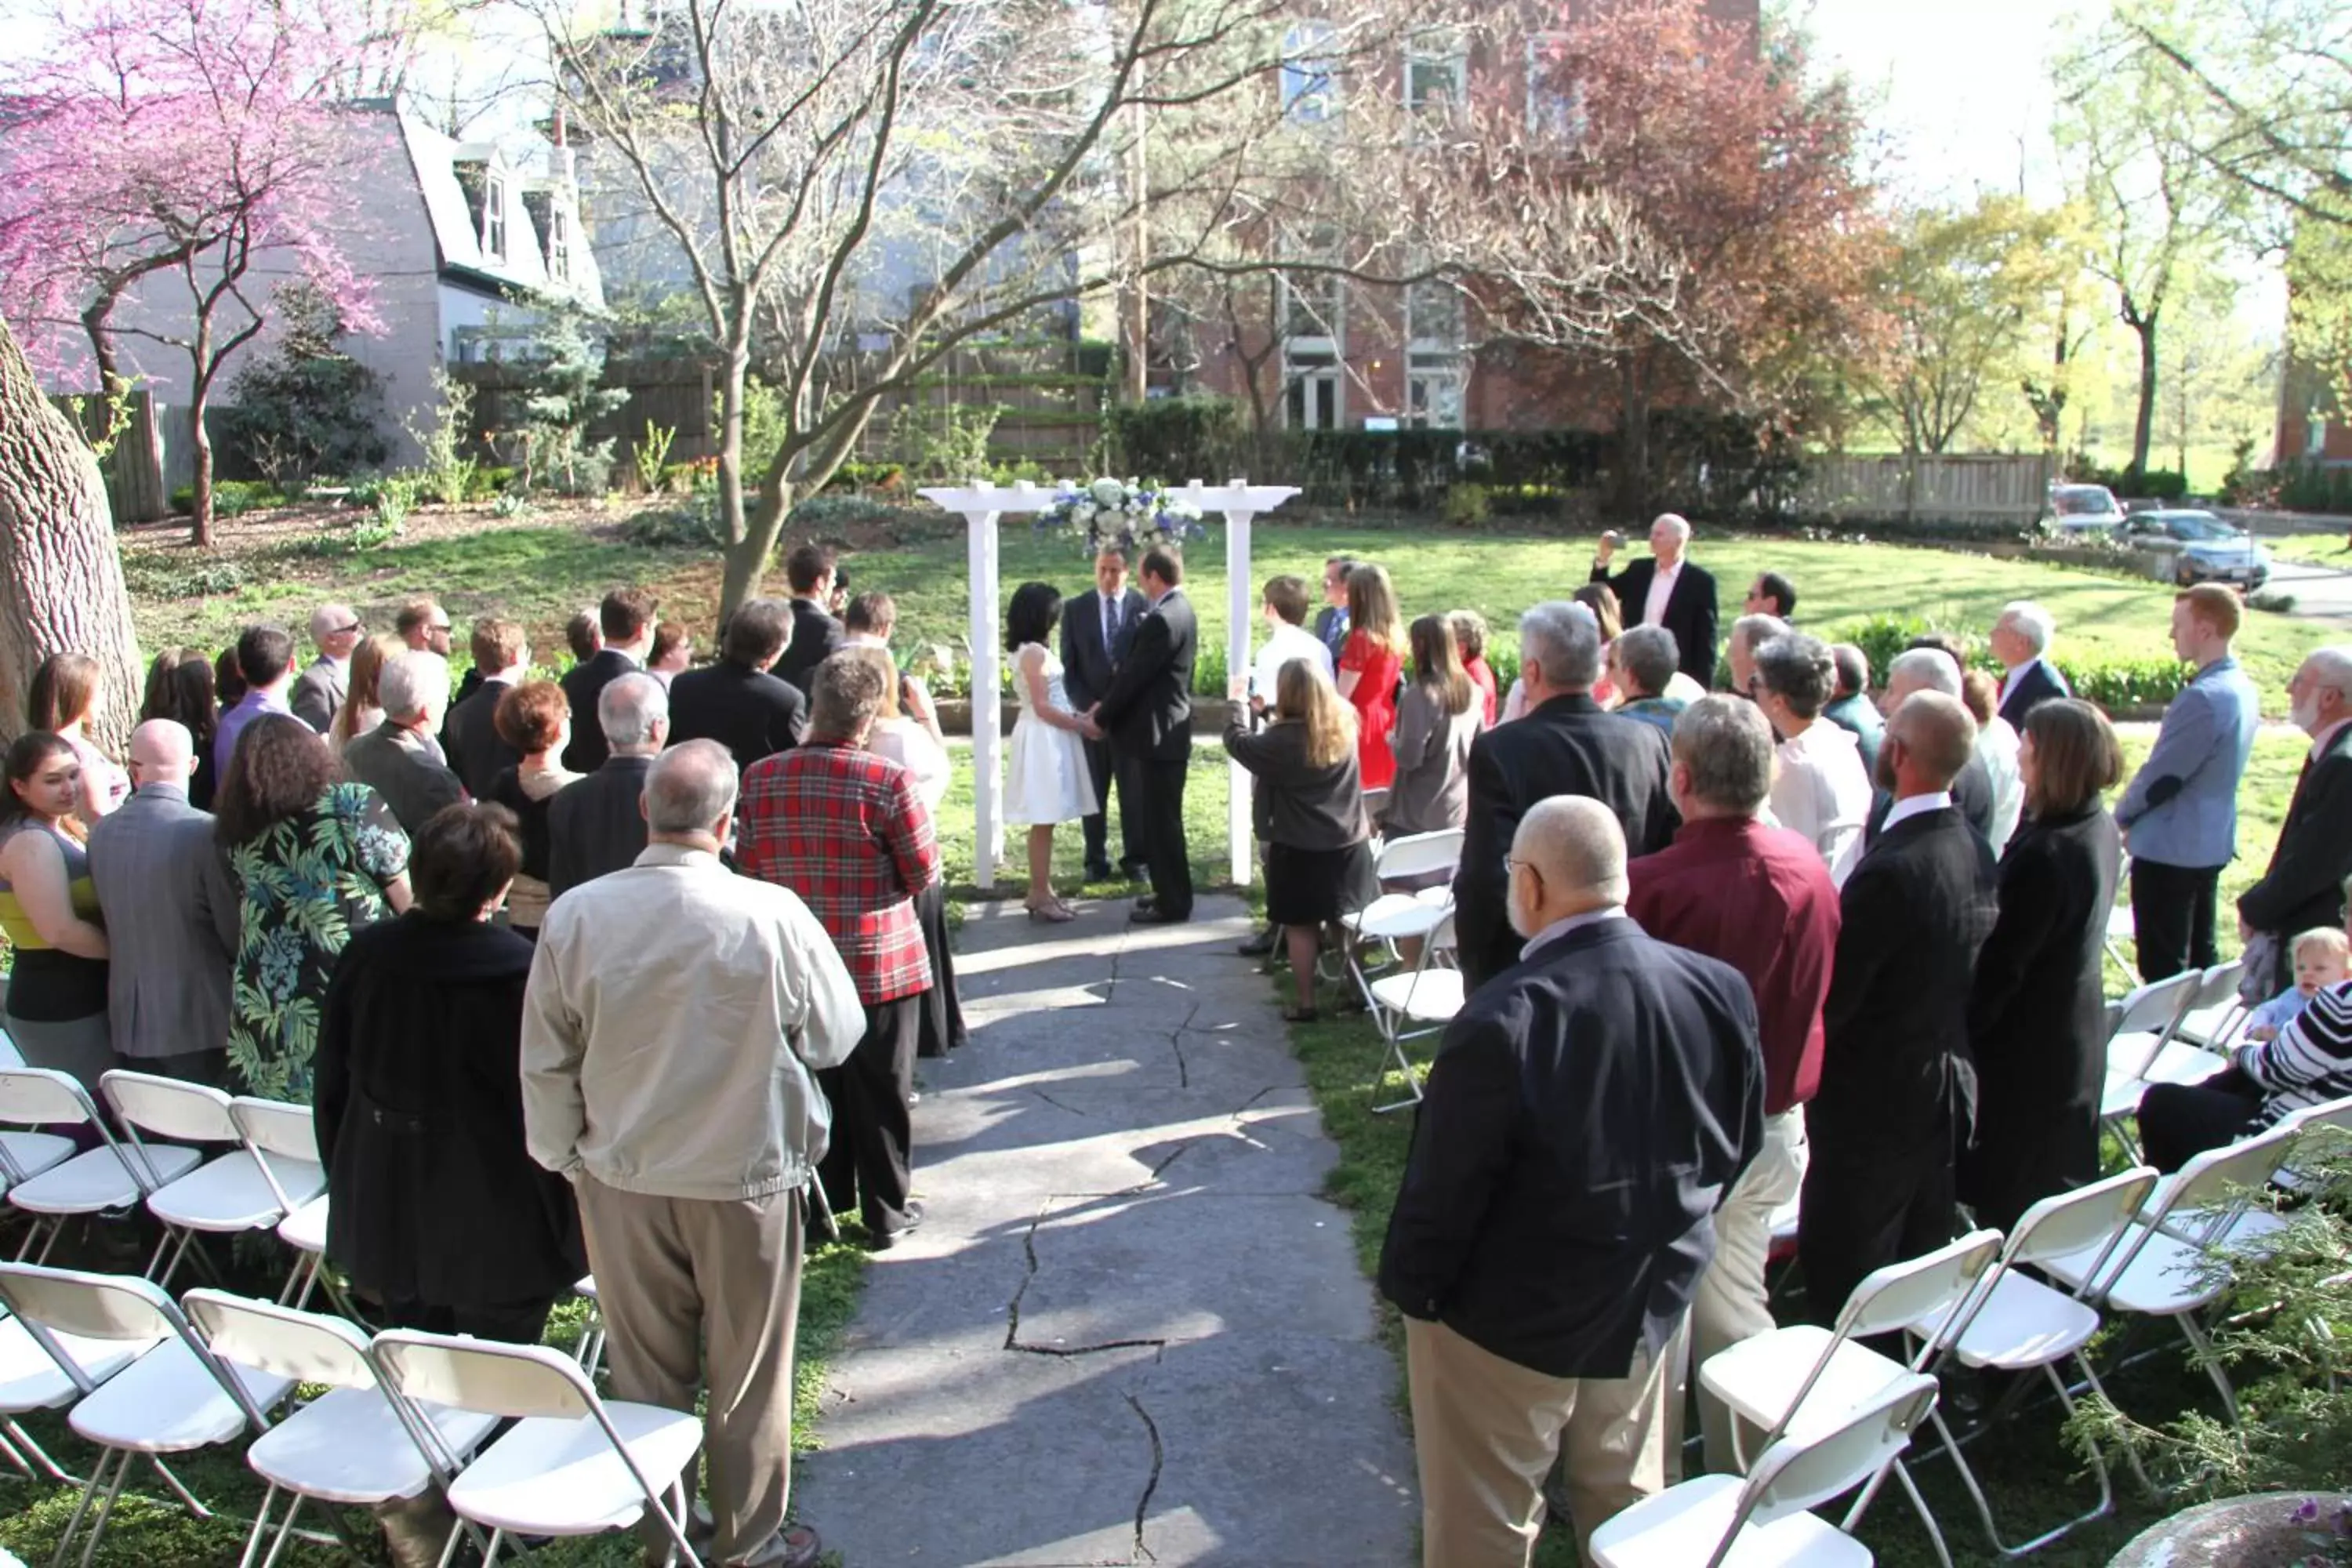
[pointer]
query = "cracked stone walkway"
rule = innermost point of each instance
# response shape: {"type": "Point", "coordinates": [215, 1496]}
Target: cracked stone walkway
{"type": "Point", "coordinates": [1129, 1330]}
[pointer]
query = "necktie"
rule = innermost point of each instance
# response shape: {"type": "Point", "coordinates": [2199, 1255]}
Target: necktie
{"type": "Point", "coordinates": [1111, 622]}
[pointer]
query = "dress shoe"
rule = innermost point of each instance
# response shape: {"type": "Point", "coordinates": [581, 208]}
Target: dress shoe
{"type": "Point", "coordinates": [1259, 945]}
{"type": "Point", "coordinates": [1157, 917]}
{"type": "Point", "coordinates": [1135, 871]}
{"type": "Point", "coordinates": [1145, 905]}
{"type": "Point", "coordinates": [883, 1241]}
{"type": "Point", "coordinates": [1098, 873]}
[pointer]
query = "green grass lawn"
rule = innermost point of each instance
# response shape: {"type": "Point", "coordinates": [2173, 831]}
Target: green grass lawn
{"type": "Point", "coordinates": [2314, 549]}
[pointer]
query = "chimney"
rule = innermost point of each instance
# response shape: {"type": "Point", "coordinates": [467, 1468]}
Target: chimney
{"type": "Point", "coordinates": [558, 164]}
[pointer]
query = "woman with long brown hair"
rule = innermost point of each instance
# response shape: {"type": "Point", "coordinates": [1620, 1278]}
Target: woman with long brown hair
{"type": "Point", "coordinates": [1371, 662]}
{"type": "Point", "coordinates": [180, 688]}
{"type": "Point", "coordinates": [1601, 600]}
{"type": "Point", "coordinates": [360, 713]}
{"type": "Point", "coordinates": [1309, 811]}
{"type": "Point", "coordinates": [61, 699]}
{"type": "Point", "coordinates": [1437, 718]}
{"type": "Point", "coordinates": [48, 911]}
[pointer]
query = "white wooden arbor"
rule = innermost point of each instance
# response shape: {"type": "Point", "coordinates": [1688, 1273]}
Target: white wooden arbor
{"type": "Point", "coordinates": [982, 505]}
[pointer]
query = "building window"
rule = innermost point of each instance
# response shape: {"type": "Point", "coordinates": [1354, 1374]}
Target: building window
{"type": "Point", "coordinates": [1310, 95]}
{"type": "Point", "coordinates": [1555, 112]}
{"type": "Point", "coordinates": [1436, 73]}
{"type": "Point", "coordinates": [1310, 387]}
{"type": "Point", "coordinates": [494, 219]}
{"type": "Point", "coordinates": [1314, 306]}
{"type": "Point", "coordinates": [1435, 366]}
{"type": "Point", "coordinates": [559, 245]}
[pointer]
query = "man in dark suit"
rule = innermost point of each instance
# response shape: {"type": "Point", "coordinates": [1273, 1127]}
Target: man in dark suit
{"type": "Point", "coordinates": [476, 752]}
{"type": "Point", "coordinates": [1587, 1113]}
{"type": "Point", "coordinates": [2304, 887]}
{"type": "Point", "coordinates": [1331, 620]}
{"type": "Point", "coordinates": [1667, 590]}
{"type": "Point", "coordinates": [738, 702]}
{"type": "Point", "coordinates": [593, 825]}
{"type": "Point", "coordinates": [625, 620]}
{"type": "Point", "coordinates": [1148, 715]}
{"type": "Point", "coordinates": [1929, 670]}
{"type": "Point", "coordinates": [1565, 745]}
{"type": "Point", "coordinates": [1097, 627]}
{"type": "Point", "coordinates": [2019, 639]}
{"type": "Point", "coordinates": [816, 636]}
{"type": "Point", "coordinates": [318, 690]}
{"type": "Point", "coordinates": [1897, 1093]}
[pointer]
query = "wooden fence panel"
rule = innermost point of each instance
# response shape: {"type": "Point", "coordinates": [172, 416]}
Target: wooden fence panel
{"type": "Point", "coordinates": [134, 470]}
{"type": "Point", "coordinates": [1989, 488]}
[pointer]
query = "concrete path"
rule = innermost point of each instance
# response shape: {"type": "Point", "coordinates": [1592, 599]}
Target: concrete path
{"type": "Point", "coordinates": [1128, 1330]}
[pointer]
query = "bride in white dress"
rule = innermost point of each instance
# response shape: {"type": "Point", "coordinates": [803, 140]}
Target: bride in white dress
{"type": "Point", "coordinates": [1046, 779]}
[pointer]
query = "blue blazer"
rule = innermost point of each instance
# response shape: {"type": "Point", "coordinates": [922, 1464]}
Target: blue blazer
{"type": "Point", "coordinates": [2182, 808]}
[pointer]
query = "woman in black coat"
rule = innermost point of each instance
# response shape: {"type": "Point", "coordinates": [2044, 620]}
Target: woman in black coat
{"type": "Point", "coordinates": [2037, 1015]}
{"type": "Point", "coordinates": [439, 1213]}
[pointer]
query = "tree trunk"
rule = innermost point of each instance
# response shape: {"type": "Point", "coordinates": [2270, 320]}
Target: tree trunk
{"type": "Point", "coordinates": [60, 578]}
{"type": "Point", "coordinates": [747, 558]}
{"type": "Point", "coordinates": [2143, 427]}
{"type": "Point", "coordinates": [200, 441]}
{"type": "Point", "coordinates": [1633, 489]}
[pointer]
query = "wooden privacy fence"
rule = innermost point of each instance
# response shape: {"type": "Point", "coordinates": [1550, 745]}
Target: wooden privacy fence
{"type": "Point", "coordinates": [1994, 490]}
{"type": "Point", "coordinates": [675, 394]}
{"type": "Point", "coordinates": [136, 489]}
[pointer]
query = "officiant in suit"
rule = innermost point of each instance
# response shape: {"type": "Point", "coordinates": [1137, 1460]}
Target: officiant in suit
{"type": "Point", "coordinates": [1666, 590]}
{"type": "Point", "coordinates": [1097, 628]}
{"type": "Point", "coordinates": [1148, 715]}
{"type": "Point", "coordinates": [2304, 886]}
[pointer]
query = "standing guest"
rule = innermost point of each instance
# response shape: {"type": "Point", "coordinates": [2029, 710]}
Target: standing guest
{"type": "Point", "coordinates": [1820, 789]}
{"type": "Point", "coordinates": [439, 1213]}
{"type": "Point", "coordinates": [264, 659]}
{"type": "Point", "coordinates": [1601, 600]}
{"type": "Point", "coordinates": [49, 913]}
{"type": "Point", "coordinates": [1331, 622]}
{"type": "Point", "coordinates": [816, 636]}
{"type": "Point", "coordinates": [315, 858]}
{"type": "Point", "coordinates": [626, 619]}
{"type": "Point", "coordinates": [1436, 723]}
{"type": "Point", "coordinates": [335, 631]}
{"type": "Point", "coordinates": [2037, 1014]}
{"type": "Point", "coordinates": [672, 653]}
{"type": "Point", "coordinates": [228, 679]}
{"type": "Point", "coordinates": [1645, 664]}
{"type": "Point", "coordinates": [1370, 663]}
{"type": "Point", "coordinates": [170, 916]}
{"type": "Point", "coordinates": [1770, 594]}
{"type": "Point", "coordinates": [1584, 1119]}
{"type": "Point", "coordinates": [360, 713]}
{"type": "Point", "coordinates": [1309, 813]}
{"type": "Point", "coordinates": [2020, 640]}
{"type": "Point", "coordinates": [536, 721]}
{"type": "Point", "coordinates": [424, 626]}
{"type": "Point", "coordinates": [900, 739]}
{"type": "Point", "coordinates": [583, 635]}
{"type": "Point", "coordinates": [180, 688]}
{"type": "Point", "coordinates": [1470, 638]}
{"type": "Point", "coordinates": [1046, 779]}
{"type": "Point", "coordinates": [1667, 590]}
{"type": "Point", "coordinates": [1749, 633]}
{"type": "Point", "coordinates": [689, 1163]}
{"type": "Point", "coordinates": [1851, 710]}
{"type": "Point", "coordinates": [1148, 714]}
{"type": "Point", "coordinates": [1759, 899]}
{"type": "Point", "coordinates": [2304, 886]}
{"type": "Point", "coordinates": [1894, 1100]}
{"type": "Point", "coordinates": [1096, 631]}
{"type": "Point", "coordinates": [1283, 606]}
{"type": "Point", "coordinates": [2179, 813]}
{"type": "Point", "coordinates": [1997, 748]}
{"type": "Point", "coordinates": [1921, 670]}
{"type": "Point", "coordinates": [843, 828]}
{"type": "Point", "coordinates": [870, 619]}
{"type": "Point", "coordinates": [1566, 745]}
{"type": "Point", "coordinates": [593, 826]}
{"type": "Point", "coordinates": [738, 702]}
{"type": "Point", "coordinates": [61, 697]}
{"type": "Point", "coordinates": [475, 750]}
{"type": "Point", "coordinates": [399, 759]}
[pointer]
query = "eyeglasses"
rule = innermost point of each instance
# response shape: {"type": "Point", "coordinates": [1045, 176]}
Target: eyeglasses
{"type": "Point", "coordinates": [439, 627]}
{"type": "Point", "coordinates": [1513, 863]}
{"type": "Point", "coordinates": [346, 631]}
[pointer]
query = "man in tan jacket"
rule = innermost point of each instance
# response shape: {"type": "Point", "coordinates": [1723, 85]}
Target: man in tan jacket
{"type": "Point", "coordinates": [675, 1016]}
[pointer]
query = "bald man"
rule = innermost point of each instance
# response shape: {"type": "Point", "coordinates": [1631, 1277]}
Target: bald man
{"type": "Point", "coordinates": [170, 916]}
{"type": "Point", "coordinates": [1589, 1110]}
{"type": "Point", "coordinates": [318, 690]}
{"type": "Point", "coordinates": [1897, 1094]}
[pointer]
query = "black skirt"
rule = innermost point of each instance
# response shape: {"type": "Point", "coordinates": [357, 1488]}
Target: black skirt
{"type": "Point", "coordinates": [1308, 887]}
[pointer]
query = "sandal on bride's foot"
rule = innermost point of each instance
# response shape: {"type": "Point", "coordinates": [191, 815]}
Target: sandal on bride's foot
{"type": "Point", "coordinates": [1056, 913]}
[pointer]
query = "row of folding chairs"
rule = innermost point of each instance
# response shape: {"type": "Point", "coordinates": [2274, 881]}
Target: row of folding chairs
{"type": "Point", "coordinates": [1409, 999]}
{"type": "Point", "coordinates": [2177, 1030]}
{"type": "Point", "coordinates": [143, 1377]}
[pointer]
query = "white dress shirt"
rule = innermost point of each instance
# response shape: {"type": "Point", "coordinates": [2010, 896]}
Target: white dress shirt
{"type": "Point", "coordinates": [1996, 743]}
{"type": "Point", "coordinates": [1915, 806]}
{"type": "Point", "coordinates": [1284, 642]}
{"type": "Point", "coordinates": [1560, 928]}
{"type": "Point", "coordinates": [1822, 790]}
{"type": "Point", "coordinates": [1662, 588]}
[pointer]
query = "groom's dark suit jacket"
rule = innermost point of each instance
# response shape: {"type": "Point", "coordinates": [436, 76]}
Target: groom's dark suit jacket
{"type": "Point", "coordinates": [1087, 661]}
{"type": "Point", "coordinates": [1148, 710]}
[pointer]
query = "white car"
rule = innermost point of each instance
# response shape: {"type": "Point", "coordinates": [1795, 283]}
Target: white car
{"type": "Point", "coordinates": [2082, 509]}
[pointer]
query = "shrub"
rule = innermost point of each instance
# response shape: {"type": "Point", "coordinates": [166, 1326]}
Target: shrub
{"type": "Point", "coordinates": [1176, 439]}
{"type": "Point", "coordinates": [1465, 506]}
{"type": "Point", "coordinates": [945, 442]}
{"type": "Point", "coordinates": [689, 524]}
{"type": "Point", "coordinates": [2155, 484]}
{"type": "Point", "coordinates": [2126, 683]}
{"type": "Point", "coordinates": [231, 497]}
{"type": "Point", "coordinates": [158, 577]}
{"type": "Point", "coordinates": [449, 473]}
{"type": "Point", "coordinates": [306, 407]}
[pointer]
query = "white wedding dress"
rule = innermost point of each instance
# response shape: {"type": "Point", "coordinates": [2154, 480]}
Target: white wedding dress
{"type": "Point", "coordinates": [1046, 777]}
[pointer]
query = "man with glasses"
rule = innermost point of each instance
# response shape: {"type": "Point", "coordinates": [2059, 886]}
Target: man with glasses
{"type": "Point", "coordinates": [424, 626]}
{"type": "Point", "coordinates": [318, 689]}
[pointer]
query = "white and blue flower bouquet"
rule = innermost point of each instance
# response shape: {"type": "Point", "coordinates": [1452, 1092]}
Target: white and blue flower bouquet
{"type": "Point", "coordinates": [1110, 514]}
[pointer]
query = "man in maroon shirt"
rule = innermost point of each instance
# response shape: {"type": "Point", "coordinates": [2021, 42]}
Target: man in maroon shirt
{"type": "Point", "coordinates": [1759, 899]}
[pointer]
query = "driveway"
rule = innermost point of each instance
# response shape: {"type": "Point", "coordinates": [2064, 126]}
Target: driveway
{"type": "Point", "coordinates": [2321, 592]}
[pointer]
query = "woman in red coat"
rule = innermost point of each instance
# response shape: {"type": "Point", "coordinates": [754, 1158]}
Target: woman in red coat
{"type": "Point", "coordinates": [1371, 662]}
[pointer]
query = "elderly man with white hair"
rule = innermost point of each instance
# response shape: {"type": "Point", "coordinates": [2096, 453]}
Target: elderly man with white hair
{"type": "Point", "coordinates": [1749, 633]}
{"type": "Point", "coordinates": [400, 759]}
{"type": "Point", "coordinates": [1667, 590]}
{"type": "Point", "coordinates": [593, 826]}
{"type": "Point", "coordinates": [2020, 640]}
{"type": "Point", "coordinates": [1565, 745]}
{"type": "Point", "coordinates": [1586, 1115]}
{"type": "Point", "coordinates": [2304, 887]}
{"type": "Point", "coordinates": [1930, 669]}
{"type": "Point", "coordinates": [335, 631]}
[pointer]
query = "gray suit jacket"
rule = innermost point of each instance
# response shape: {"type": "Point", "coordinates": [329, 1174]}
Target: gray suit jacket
{"type": "Point", "coordinates": [171, 915]}
{"type": "Point", "coordinates": [406, 769]}
{"type": "Point", "coordinates": [318, 692]}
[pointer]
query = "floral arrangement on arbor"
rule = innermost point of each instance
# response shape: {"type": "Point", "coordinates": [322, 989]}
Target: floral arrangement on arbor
{"type": "Point", "coordinates": [1119, 514]}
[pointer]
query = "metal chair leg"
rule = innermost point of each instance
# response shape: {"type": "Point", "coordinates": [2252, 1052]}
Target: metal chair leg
{"type": "Point", "coordinates": [2203, 1345]}
{"type": "Point", "coordinates": [105, 1511]}
{"type": "Point", "coordinates": [284, 1530]}
{"type": "Point", "coordinates": [260, 1526]}
{"type": "Point", "coordinates": [116, 1457]}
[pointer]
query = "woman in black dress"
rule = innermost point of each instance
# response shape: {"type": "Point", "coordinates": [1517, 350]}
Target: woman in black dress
{"type": "Point", "coordinates": [2037, 1016]}
{"type": "Point", "coordinates": [1310, 810]}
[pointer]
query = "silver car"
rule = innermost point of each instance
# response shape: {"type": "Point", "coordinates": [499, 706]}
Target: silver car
{"type": "Point", "coordinates": [2199, 547]}
{"type": "Point", "coordinates": [2082, 509]}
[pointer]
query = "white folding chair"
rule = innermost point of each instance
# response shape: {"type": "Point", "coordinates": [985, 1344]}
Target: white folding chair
{"type": "Point", "coordinates": [1395, 918]}
{"type": "Point", "coordinates": [112, 1177]}
{"type": "Point", "coordinates": [251, 1188]}
{"type": "Point", "coordinates": [34, 1376]}
{"type": "Point", "coordinates": [1428, 993]}
{"type": "Point", "coordinates": [305, 1233]}
{"type": "Point", "coordinates": [1765, 1520]}
{"type": "Point", "coordinates": [2143, 1026]}
{"type": "Point", "coordinates": [2216, 1013]}
{"type": "Point", "coordinates": [283, 1141]}
{"type": "Point", "coordinates": [590, 1351]}
{"type": "Point", "coordinates": [573, 1464]}
{"type": "Point", "coordinates": [175, 1398]}
{"type": "Point", "coordinates": [2015, 1323]}
{"type": "Point", "coordinates": [349, 1448]}
{"type": "Point", "coordinates": [2120, 926]}
{"type": "Point", "coordinates": [25, 1154]}
{"type": "Point", "coordinates": [2320, 1129]}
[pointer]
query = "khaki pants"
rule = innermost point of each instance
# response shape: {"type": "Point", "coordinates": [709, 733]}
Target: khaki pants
{"type": "Point", "coordinates": [1485, 1430]}
{"type": "Point", "coordinates": [680, 1281]}
{"type": "Point", "coordinates": [1733, 1301]}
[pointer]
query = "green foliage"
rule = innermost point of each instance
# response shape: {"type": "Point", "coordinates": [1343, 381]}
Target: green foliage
{"type": "Point", "coordinates": [1179, 438]}
{"type": "Point", "coordinates": [160, 576]}
{"type": "Point", "coordinates": [2111, 682]}
{"type": "Point", "coordinates": [231, 497]}
{"type": "Point", "coordinates": [691, 522]}
{"type": "Point", "coordinates": [449, 472]}
{"type": "Point", "coordinates": [2155, 484]}
{"type": "Point", "coordinates": [395, 497]}
{"type": "Point", "coordinates": [566, 397]}
{"type": "Point", "coordinates": [1465, 506]}
{"type": "Point", "coordinates": [857, 476]}
{"type": "Point", "coordinates": [942, 443]}
{"type": "Point", "coordinates": [653, 455]}
{"type": "Point", "coordinates": [307, 407]}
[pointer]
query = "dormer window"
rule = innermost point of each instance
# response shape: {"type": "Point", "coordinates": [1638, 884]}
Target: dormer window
{"type": "Point", "coordinates": [494, 219]}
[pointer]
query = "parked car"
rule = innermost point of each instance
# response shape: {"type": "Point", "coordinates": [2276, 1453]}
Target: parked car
{"type": "Point", "coordinates": [2082, 509]}
{"type": "Point", "coordinates": [2197, 547]}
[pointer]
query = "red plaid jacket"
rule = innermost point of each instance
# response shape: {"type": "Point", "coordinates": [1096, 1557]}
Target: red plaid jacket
{"type": "Point", "coordinates": [845, 829]}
